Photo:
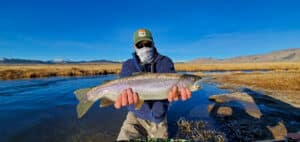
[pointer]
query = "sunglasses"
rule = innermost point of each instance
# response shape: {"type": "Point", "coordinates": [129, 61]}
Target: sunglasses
{"type": "Point", "coordinates": [142, 44]}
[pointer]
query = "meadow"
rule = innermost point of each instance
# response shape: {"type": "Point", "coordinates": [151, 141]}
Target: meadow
{"type": "Point", "coordinates": [238, 66]}
{"type": "Point", "coordinates": [280, 83]}
{"type": "Point", "coordinates": [283, 85]}
{"type": "Point", "coordinates": [8, 72]}
{"type": "Point", "coordinates": [278, 90]}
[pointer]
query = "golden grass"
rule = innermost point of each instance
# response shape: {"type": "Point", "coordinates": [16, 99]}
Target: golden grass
{"type": "Point", "coordinates": [239, 66]}
{"type": "Point", "coordinates": [34, 71]}
{"type": "Point", "coordinates": [41, 70]}
{"type": "Point", "coordinates": [284, 86]}
{"type": "Point", "coordinates": [272, 80]}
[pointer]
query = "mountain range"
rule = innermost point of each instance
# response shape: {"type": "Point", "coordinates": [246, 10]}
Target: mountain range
{"type": "Point", "coordinates": [287, 55]}
{"type": "Point", "coordinates": [55, 61]}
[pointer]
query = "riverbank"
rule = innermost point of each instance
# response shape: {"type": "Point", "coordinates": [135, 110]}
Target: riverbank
{"type": "Point", "coordinates": [253, 116]}
{"type": "Point", "coordinates": [262, 105]}
{"type": "Point", "coordinates": [9, 72]}
{"type": "Point", "coordinates": [248, 117]}
{"type": "Point", "coordinates": [282, 85]}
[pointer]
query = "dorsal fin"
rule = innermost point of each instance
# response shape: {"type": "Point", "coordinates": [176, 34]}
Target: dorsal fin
{"type": "Point", "coordinates": [106, 102]}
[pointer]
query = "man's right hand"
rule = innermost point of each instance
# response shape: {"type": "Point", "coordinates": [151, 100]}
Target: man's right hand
{"type": "Point", "coordinates": [127, 97]}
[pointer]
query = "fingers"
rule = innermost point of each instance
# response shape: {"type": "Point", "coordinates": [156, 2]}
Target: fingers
{"type": "Point", "coordinates": [135, 98]}
{"type": "Point", "coordinates": [127, 97]}
{"type": "Point", "coordinates": [124, 98]}
{"type": "Point", "coordinates": [170, 96]}
{"type": "Point", "coordinates": [130, 96]}
{"type": "Point", "coordinates": [173, 94]}
{"type": "Point", "coordinates": [184, 94]}
{"type": "Point", "coordinates": [118, 102]}
{"type": "Point", "coordinates": [189, 93]}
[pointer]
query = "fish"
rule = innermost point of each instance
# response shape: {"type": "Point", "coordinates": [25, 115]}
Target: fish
{"type": "Point", "coordinates": [149, 86]}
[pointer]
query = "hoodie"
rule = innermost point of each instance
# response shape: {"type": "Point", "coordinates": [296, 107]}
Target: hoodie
{"type": "Point", "coordinates": [154, 111]}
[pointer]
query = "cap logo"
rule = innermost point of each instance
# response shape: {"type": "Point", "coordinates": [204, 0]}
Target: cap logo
{"type": "Point", "coordinates": [142, 33]}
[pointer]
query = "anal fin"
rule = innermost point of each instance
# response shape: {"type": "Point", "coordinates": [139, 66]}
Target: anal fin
{"type": "Point", "coordinates": [106, 102]}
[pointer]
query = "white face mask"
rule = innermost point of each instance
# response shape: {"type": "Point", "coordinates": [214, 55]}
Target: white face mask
{"type": "Point", "coordinates": [145, 54]}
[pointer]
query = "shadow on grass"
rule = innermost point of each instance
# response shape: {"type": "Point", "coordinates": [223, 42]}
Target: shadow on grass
{"type": "Point", "coordinates": [275, 118]}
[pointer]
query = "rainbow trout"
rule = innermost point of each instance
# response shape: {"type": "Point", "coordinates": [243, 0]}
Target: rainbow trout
{"type": "Point", "coordinates": [149, 86]}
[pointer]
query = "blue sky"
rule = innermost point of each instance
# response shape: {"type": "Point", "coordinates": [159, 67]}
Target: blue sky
{"type": "Point", "coordinates": [183, 30]}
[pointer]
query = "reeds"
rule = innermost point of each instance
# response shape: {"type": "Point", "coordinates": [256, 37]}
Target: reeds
{"type": "Point", "coordinates": [41, 70]}
{"type": "Point", "coordinates": [34, 71]}
{"type": "Point", "coordinates": [238, 66]}
{"type": "Point", "coordinates": [284, 86]}
{"type": "Point", "coordinates": [272, 80]}
{"type": "Point", "coordinates": [198, 131]}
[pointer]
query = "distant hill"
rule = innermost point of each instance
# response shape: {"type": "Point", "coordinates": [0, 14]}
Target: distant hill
{"type": "Point", "coordinates": [56, 61]}
{"type": "Point", "coordinates": [287, 55]}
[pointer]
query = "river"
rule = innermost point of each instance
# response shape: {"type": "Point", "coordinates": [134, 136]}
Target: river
{"type": "Point", "coordinates": [44, 109]}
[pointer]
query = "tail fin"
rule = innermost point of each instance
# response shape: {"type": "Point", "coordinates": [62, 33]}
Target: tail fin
{"type": "Point", "coordinates": [83, 105]}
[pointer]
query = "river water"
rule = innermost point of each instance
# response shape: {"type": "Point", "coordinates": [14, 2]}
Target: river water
{"type": "Point", "coordinates": [45, 110]}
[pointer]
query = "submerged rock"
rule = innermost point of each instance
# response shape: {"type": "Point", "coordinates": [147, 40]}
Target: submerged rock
{"type": "Point", "coordinates": [237, 99]}
{"type": "Point", "coordinates": [251, 117]}
{"type": "Point", "coordinates": [222, 111]}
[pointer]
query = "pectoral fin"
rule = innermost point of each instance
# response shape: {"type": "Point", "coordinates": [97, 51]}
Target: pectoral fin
{"type": "Point", "coordinates": [138, 106]}
{"type": "Point", "coordinates": [106, 102]}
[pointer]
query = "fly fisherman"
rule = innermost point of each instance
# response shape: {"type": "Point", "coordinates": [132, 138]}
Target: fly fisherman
{"type": "Point", "coordinates": [149, 121]}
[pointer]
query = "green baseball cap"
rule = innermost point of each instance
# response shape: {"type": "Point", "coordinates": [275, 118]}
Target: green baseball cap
{"type": "Point", "coordinates": [142, 34]}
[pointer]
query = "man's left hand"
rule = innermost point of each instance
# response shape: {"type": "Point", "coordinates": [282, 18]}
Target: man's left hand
{"type": "Point", "coordinates": [179, 93]}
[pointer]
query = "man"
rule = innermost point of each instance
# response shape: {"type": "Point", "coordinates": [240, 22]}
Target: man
{"type": "Point", "coordinates": [150, 120]}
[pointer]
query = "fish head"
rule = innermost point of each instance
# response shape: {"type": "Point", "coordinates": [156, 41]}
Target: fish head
{"type": "Point", "coordinates": [191, 81]}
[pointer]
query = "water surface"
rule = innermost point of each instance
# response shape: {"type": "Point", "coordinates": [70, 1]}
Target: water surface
{"type": "Point", "coordinates": [45, 110]}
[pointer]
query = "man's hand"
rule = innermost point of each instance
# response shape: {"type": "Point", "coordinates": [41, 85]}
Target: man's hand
{"type": "Point", "coordinates": [176, 93]}
{"type": "Point", "coordinates": [127, 97]}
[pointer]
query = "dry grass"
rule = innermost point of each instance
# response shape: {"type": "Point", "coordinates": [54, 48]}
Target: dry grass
{"type": "Point", "coordinates": [284, 86]}
{"type": "Point", "coordinates": [272, 80]}
{"type": "Point", "coordinates": [198, 131]}
{"type": "Point", "coordinates": [34, 71]}
{"type": "Point", "coordinates": [239, 66]}
{"type": "Point", "coordinates": [39, 70]}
